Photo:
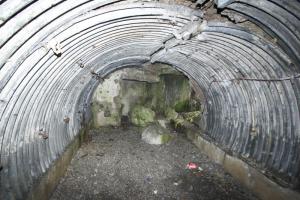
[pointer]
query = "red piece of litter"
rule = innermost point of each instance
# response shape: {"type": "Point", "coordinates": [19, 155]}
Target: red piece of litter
{"type": "Point", "coordinates": [192, 165]}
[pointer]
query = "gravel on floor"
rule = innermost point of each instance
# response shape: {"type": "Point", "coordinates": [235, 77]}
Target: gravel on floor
{"type": "Point", "coordinates": [117, 164]}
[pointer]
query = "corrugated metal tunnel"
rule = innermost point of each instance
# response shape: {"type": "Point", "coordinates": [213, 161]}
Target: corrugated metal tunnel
{"type": "Point", "coordinates": [53, 54]}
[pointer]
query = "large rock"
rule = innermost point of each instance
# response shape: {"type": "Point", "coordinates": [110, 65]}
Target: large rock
{"type": "Point", "coordinates": [142, 116]}
{"type": "Point", "coordinates": [156, 134]}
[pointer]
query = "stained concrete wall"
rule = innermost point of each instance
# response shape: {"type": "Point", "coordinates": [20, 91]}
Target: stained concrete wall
{"type": "Point", "coordinates": [106, 103]}
{"type": "Point", "coordinates": [156, 87]}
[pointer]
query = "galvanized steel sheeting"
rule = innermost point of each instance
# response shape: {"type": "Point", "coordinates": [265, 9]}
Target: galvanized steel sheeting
{"type": "Point", "coordinates": [255, 120]}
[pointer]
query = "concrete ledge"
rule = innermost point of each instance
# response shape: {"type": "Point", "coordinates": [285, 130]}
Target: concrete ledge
{"type": "Point", "coordinates": [247, 175]}
{"type": "Point", "coordinates": [43, 188]}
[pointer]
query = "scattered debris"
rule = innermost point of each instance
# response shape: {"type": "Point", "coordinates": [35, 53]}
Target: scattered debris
{"type": "Point", "coordinates": [121, 174]}
{"type": "Point", "coordinates": [190, 30]}
{"type": "Point", "coordinates": [84, 155]}
{"type": "Point", "coordinates": [96, 75]}
{"type": "Point", "coordinates": [176, 183]}
{"type": "Point", "coordinates": [96, 192]}
{"type": "Point", "coordinates": [148, 179]}
{"type": "Point", "coordinates": [55, 46]}
{"type": "Point", "coordinates": [44, 134]}
{"type": "Point", "coordinates": [80, 63]}
{"type": "Point", "coordinates": [200, 169]}
{"type": "Point", "coordinates": [234, 16]}
{"type": "Point", "coordinates": [191, 166]}
{"type": "Point", "coordinates": [195, 168]}
{"type": "Point", "coordinates": [66, 120]}
{"type": "Point", "coordinates": [100, 154]}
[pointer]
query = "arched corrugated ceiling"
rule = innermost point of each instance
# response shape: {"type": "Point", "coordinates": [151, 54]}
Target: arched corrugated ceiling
{"type": "Point", "coordinates": [53, 53]}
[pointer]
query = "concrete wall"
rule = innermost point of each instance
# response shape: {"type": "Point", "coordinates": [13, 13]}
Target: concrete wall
{"type": "Point", "coordinates": [156, 87]}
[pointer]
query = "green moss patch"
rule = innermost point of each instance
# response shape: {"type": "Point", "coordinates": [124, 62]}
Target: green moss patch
{"type": "Point", "coordinates": [171, 114]}
{"type": "Point", "coordinates": [141, 116]}
{"type": "Point", "coordinates": [165, 138]}
{"type": "Point", "coordinates": [182, 106]}
{"type": "Point", "coordinates": [192, 116]}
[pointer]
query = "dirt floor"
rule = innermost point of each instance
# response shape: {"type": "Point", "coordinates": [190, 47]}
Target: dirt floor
{"type": "Point", "coordinates": [117, 164]}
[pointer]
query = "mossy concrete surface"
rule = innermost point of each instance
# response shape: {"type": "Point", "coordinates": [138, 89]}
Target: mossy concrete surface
{"type": "Point", "coordinates": [172, 91]}
{"type": "Point", "coordinates": [142, 116]}
{"type": "Point", "coordinates": [171, 114]}
{"type": "Point", "coordinates": [132, 93]}
{"type": "Point", "coordinates": [192, 116]}
{"type": "Point", "coordinates": [177, 91]}
{"type": "Point", "coordinates": [157, 89]}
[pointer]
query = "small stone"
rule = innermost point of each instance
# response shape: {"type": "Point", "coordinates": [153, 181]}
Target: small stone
{"type": "Point", "coordinates": [100, 155]}
{"type": "Point", "coordinates": [148, 179]}
{"type": "Point", "coordinates": [191, 188]}
{"type": "Point", "coordinates": [176, 183]}
{"type": "Point", "coordinates": [155, 191]}
{"type": "Point", "coordinates": [96, 192]}
{"type": "Point", "coordinates": [200, 169]}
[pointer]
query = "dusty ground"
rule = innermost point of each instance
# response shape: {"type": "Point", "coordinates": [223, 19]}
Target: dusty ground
{"type": "Point", "coordinates": [117, 164]}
